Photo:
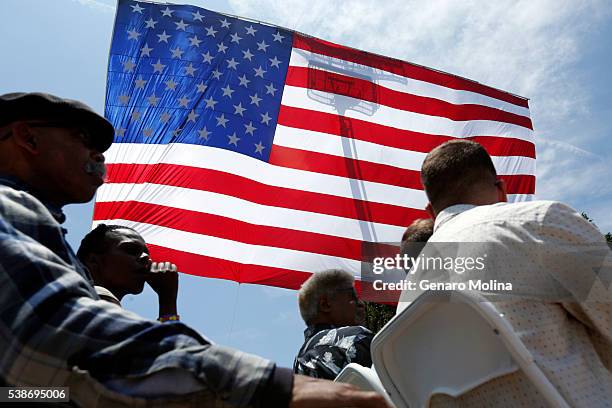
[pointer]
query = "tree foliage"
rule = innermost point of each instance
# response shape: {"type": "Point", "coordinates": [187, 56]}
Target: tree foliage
{"type": "Point", "coordinates": [377, 315]}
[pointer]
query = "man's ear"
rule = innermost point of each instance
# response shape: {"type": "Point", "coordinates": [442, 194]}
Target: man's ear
{"type": "Point", "coordinates": [430, 211]}
{"type": "Point", "coordinates": [502, 194]}
{"type": "Point", "coordinates": [25, 138]}
{"type": "Point", "coordinates": [92, 262]}
{"type": "Point", "coordinates": [324, 304]}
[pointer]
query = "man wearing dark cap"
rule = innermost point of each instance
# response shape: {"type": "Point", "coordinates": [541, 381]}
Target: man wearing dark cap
{"type": "Point", "coordinates": [55, 330]}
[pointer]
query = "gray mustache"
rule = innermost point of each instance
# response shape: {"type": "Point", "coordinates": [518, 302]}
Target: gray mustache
{"type": "Point", "coordinates": [95, 168]}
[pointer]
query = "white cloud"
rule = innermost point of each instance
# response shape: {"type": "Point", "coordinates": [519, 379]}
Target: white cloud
{"type": "Point", "coordinates": [531, 48]}
{"type": "Point", "coordinates": [97, 5]}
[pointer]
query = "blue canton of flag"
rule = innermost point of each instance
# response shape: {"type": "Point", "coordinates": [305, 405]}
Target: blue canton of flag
{"type": "Point", "coordinates": [181, 74]}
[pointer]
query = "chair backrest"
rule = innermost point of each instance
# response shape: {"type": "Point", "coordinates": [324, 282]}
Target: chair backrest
{"type": "Point", "coordinates": [363, 378]}
{"type": "Point", "coordinates": [436, 345]}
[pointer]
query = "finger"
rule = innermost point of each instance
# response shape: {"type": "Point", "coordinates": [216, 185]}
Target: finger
{"type": "Point", "coordinates": [154, 267]}
{"type": "Point", "coordinates": [173, 267]}
{"type": "Point", "coordinates": [166, 266]}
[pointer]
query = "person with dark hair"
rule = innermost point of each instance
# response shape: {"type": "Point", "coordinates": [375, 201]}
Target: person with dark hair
{"type": "Point", "coordinates": [416, 236]}
{"type": "Point", "coordinates": [333, 337]}
{"type": "Point", "coordinates": [57, 332]}
{"type": "Point", "coordinates": [118, 259]}
{"type": "Point", "coordinates": [558, 301]}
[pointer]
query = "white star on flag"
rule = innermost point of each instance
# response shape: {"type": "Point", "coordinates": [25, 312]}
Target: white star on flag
{"type": "Point", "coordinates": [227, 91]}
{"type": "Point", "coordinates": [250, 30]}
{"type": "Point", "coordinates": [211, 31]}
{"type": "Point", "coordinates": [247, 54]}
{"type": "Point", "coordinates": [158, 66]}
{"type": "Point", "coordinates": [225, 23]}
{"type": "Point", "coordinates": [232, 63]}
{"type": "Point", "coordinates": [137, 9]}
{"type": "Point", "coordinates": [270, 89]}
{"type": "Point", "coordinates": [163, 37]}
{"type": "Point", "coordinates": [259, 148]}
{"type": "Point", "coordinates": [255, 99]}
{"type": "Point", "coordinates": [250, 129]}
{"type": "Point", "coordinates": [197, 16]}
{"type": "Point", "coordinates": [194, 41]}
{"type": "Point", "coordinates": [221, 121]}
{"type": "Point", "coordinates": [259, 71]}
{"type": "Point", "coordinates": [192, 116]}
{"type": "Point", "coordinates": [177, 53]}
{"type": "Point", "coordinates": [265, 118]}
{"type": "Point", "coordinates": [184, 101]}
{"type": "Point", "coordinates": [181, 25]}
{"type": "Point", "coordinates": [133, 34]}
{"type": "Point", "coordinates": [153, 100]}
{"type": "Point", "coordinates": [278, 37]}
{"type": "Point", "coordinates": [140, 83]}
{"type": "Point", "coordinates": [236, 38]}
{"type": "Point", "coordinates": [128, 66]}
{"type": "Point", "coordinates": [239, 109]}
{"type": "Point", "coordinates": [204, 133]}
{"type": "Point", "coordinates": [244, 81]}
{"type": "Point", "coordinates": [190, 70]}
{"type": "Point", "coordinates": [233, 139]}
{"type": "Point", "coordinates": [275, 62]}
{"type": "Point", "coordinates": [167, 12]}
{"type": "Point", "coordinates": [150, 23]}
{"type": "Point", "coordinates": [165, 117]}
{"type": "Point", "coordinates": [202, 86]}
{"type": "Point", "coordinates": [207, 57]}
{"type": "Point", "coordinates": [171, 85]}
{"type": "Point", "coordinates": [210, 102]}
{"type": "Point", "coordinates": [145, 51]}
{"type": "Point", "coordinates": [262, 46]}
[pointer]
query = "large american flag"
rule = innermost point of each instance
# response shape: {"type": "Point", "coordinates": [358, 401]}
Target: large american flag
{"type": "Point", "coordinates": [249, 152]}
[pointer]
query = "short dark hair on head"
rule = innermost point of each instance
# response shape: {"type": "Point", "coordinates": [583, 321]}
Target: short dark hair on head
{"type": "Point", "coordinates": [95, 241]}
{"type": "Point", "coordinates": [420, 230]}
{"type": "Point", "coordinates": [452, 171]}
{"type": "Point", "coordinates": [415, 236]}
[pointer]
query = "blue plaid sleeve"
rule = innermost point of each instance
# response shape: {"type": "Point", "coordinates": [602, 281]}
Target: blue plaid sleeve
{"type": "Point", "coordinates": [54, 330]}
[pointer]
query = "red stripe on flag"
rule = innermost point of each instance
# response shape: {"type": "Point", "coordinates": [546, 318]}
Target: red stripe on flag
{"type": "Point", "coordinates": [210, 267]}
{"type": "Point", "coordinates": [365, 90]}
{"type": "Point", "coordinates": [378, 173]}
{"type": "Point", "coordinates": [253, 191]}
{"type": "Point", "coordinates": [402, 68]}
{"type": "Point", "coordinates": [388, 136]}
{"type": "Point", "coordinates": [231, 229]}
{"type": "Point", "coordinates": [519, 183]}
{"type": "Point", "coordinates": [344, 167]}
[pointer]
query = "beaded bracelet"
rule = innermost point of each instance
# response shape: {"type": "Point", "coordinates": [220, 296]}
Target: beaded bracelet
{"type": "Point", "coordinates": [169, 318]}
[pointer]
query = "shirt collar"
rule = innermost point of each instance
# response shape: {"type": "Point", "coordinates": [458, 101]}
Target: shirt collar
{"type": "Point", "coordinates": [449, 213]}
{"type": "Point", "coordinates": [315, 328]}
{"type": "Point", "coordinates": [17, 184]}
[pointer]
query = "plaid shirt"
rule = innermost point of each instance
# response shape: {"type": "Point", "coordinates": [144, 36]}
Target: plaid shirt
{"type": "Point", "coordinates": [55, 330]}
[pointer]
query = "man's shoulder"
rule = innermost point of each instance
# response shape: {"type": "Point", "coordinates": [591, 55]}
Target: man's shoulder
{"type": "Point", "coordinates": [19, 206]}
{"type": "Point", "coordinates": [501, 215]}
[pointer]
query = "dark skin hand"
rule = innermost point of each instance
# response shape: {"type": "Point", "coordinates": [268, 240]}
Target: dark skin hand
{"type": "Point", "coordinates": [312, 392]}
{"type": "Point", "coordinates": [164, 281]}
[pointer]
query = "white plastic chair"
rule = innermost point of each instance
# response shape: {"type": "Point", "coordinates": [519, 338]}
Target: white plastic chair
{"type": "Point", "coordinates": [363, 378]}
{"type": "Point", "coordinates": [436, 345]}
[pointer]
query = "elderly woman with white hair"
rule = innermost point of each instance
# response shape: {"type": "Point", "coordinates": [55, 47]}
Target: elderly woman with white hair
{"type": "Point", "coordinates": [333, 338]}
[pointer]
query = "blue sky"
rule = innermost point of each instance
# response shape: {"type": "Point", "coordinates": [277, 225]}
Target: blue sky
{"type": "Point", "coordinates": [554, 52]}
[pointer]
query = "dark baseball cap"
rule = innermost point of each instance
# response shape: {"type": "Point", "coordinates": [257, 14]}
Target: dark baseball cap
{"type": "Point", "coordinates": [42, 106]}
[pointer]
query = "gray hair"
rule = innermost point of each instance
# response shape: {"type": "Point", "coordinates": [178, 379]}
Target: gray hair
{"type": "Point", "coordinates": [324, 283]}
